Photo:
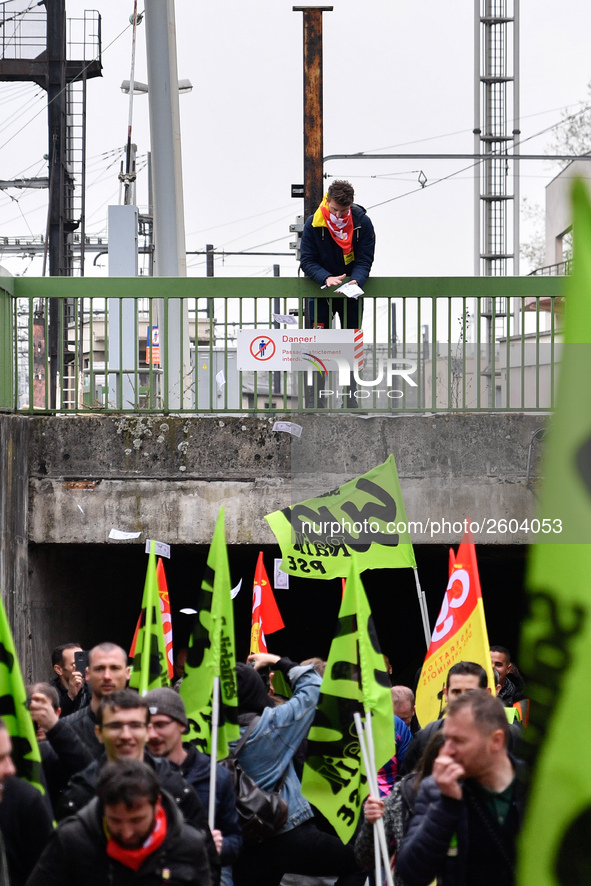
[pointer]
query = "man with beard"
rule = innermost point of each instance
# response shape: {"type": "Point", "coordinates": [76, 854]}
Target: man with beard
{"type": "Point", "coordinates": [132, 832]}
{"type": "Point", "coordinates": [468, 813]}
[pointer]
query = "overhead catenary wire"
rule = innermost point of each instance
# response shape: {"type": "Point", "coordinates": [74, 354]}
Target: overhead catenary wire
{"type": "Point", "coordinates": [79, 75]}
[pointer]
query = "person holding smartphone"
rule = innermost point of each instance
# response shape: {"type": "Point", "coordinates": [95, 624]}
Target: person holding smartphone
{"type": "Point", "coordinates": [70, 681]}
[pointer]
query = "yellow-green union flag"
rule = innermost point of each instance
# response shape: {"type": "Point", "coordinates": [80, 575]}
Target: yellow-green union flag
{"type": "Point", "coordinates": [13, 709]}
{"type": "Point", "coordinates": [555, 846]}
{"type": "Point", "coordinates": [212, 653]}
{"type": "Point", "coordinates": [365, 515]}
{"type": "Point", "coordinates": [355, 681]}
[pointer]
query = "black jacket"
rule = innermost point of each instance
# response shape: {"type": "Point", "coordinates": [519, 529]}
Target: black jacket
{"type": "Point", "coordinates": [62, 755]}
{"type": "Point", "coordinates": [513, 690]}
{"type": "Point", "coordinates": [322, 257]}
{"type": "Point", "coordinates": [26, 826]}
{"type": "Point", "coordinates": [83, 723]}
{"type": "Point", "coordinates": [458, 841]}
{"type": "Point", "coordinates": [82, 786]}
{"type": "Point", "coordinates": [71, 705]}
{"type": "Point", "coordinates": [76, 855]}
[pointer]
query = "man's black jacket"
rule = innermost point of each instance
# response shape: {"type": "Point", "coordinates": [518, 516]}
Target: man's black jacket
{"type": "Point", "coordinates": [82, 787]}
{"type": "Point", "coordinates": [76, 854]}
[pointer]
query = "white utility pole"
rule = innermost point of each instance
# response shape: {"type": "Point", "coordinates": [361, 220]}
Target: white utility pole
{"type": "Point", "coordinates": [167, 190]}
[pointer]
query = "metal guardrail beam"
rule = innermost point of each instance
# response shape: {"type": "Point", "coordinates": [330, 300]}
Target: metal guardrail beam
{"type": "Point", "coordinates": [476, 344]}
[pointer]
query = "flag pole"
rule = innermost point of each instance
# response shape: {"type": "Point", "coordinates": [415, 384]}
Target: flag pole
{"type": "Point", "coordinates": [371, 755]}
{"type": "Point", "coordinates": [215, 717]}
{"type": "Point", "coordinates": [373, 787]}
{"type": "Point", "coordinates": [423, 608]}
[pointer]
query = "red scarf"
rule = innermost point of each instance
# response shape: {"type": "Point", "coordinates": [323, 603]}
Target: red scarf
{"type": "Point", "coordinates": [341, 229]}
{"type": "Point", "coordinates": [133, 858]}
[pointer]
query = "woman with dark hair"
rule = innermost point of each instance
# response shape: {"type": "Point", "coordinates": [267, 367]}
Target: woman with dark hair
{"type": "Point", "coordinates": [275, 733]}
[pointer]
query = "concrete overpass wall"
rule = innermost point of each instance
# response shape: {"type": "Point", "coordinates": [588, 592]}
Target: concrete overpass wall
{"type": "Point", "coordinates": [67, 481]}
{"type": "Point", "coordinates": [169, 476]}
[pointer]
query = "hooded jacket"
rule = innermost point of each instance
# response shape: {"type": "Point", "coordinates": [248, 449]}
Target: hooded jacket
{"type": "Point", "coordinates": [82, 788]}
{"type": "Point", "coordinates": [322, 257]}
{"type": "Point", "coordinates": [76, 854]}
{"type": "Point", "coordinates": [269, 749]}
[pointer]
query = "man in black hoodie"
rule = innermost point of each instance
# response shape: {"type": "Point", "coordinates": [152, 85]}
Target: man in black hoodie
{"type": "Point", "coordinates": [512, 685]}
{"type": "Point", "coordinates": [131, 833]}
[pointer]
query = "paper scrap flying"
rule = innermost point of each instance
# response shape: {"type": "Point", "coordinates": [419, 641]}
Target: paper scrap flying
{"type": "Point", "coordinates": [188, 611]}
{"type": "Point", "coordinates": [234, 591]}
{"type": "Point", "coordinates": [119, 534]}
{"type": "Point", "coordinates": [288, 319]}
{"type": "Point", "coordinates": [281, 578]}
{"type": "Point", "coordinates": [161, 549]}
{"type": "Point", "coordinates": [289, 427]}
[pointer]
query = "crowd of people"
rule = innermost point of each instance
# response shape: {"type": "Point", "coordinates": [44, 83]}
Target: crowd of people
{"type": "Point", "coordinates": [130, 796]}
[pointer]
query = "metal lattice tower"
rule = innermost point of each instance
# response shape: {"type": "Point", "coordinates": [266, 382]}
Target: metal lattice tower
{"type": "Point", "coordinates": [496, 135]}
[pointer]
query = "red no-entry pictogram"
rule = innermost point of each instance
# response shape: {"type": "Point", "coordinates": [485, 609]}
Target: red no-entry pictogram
{"type": "Point", "coordinates": [262, 348]}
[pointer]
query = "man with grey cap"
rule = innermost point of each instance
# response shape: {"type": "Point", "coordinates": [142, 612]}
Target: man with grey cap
{"type": "Point", "coordinates": [167, 725]}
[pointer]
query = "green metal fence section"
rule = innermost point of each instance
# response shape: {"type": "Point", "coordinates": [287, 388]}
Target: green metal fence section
{"type": "Point", "coordinates": [117, 345]}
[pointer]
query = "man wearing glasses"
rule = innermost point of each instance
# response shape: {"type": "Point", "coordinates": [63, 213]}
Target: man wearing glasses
{"type": "Point", "coordinates": [122, 728]}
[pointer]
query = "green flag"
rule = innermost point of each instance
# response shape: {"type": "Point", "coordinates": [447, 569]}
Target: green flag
{"type": "Point", "coordinates": [212, 653]}
{"type": "Point", "coordinates": [13, 710]}
{"type": "Point", "coordinates": [355, 679]}
{"type": "Point", "coordinates": [556, 641]}
{"type": "Point", "coordinates": [150, 663]}
{"type": "Point", "coordinates": [366, 515]}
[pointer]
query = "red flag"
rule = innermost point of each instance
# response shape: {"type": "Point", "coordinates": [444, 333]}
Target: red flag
{"type": "Point", "coordinates": [266, 618]}
{"type": "Point", "coordinates": [460, 632]}
{"type": "Point", "coordinates": [166, 618]}
{"type": "Point", "coordinates": [452, 561]}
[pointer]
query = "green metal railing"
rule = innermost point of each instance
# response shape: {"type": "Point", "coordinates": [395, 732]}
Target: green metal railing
{"type": "Point", "coordinates": [72, 345]}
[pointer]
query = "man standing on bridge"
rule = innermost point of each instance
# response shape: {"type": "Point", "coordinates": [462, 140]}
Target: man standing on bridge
{"type": "Point", "coordinates": [337, 241]}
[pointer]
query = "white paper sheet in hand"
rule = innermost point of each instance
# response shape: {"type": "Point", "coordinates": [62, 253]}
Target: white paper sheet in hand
{"type": "Point", "coordinates": [351, 290]}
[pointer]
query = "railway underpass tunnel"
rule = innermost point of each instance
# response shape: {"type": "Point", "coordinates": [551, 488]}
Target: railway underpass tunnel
{"type": "Point", "coordinates": [91, 593]}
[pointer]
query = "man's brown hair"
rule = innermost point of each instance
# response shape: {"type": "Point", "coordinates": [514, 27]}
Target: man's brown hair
{"type": "Point", "coordinates": [488, 712]}
{"type": "Point", "coordinates": [122, 700]}
{"type": "Point", "coordinates": [341, 192]}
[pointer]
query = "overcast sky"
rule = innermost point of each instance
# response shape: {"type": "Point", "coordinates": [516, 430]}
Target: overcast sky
{"type": "Point", "coordinates": [397, 77]}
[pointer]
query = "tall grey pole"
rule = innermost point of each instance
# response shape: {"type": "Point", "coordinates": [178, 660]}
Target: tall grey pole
{"type": "Point", "coordinates": [477, 133]}
{"type": "Point", "coordinates": [167, 190]}
{"type": "Point", "coordinates": [516, 135]}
